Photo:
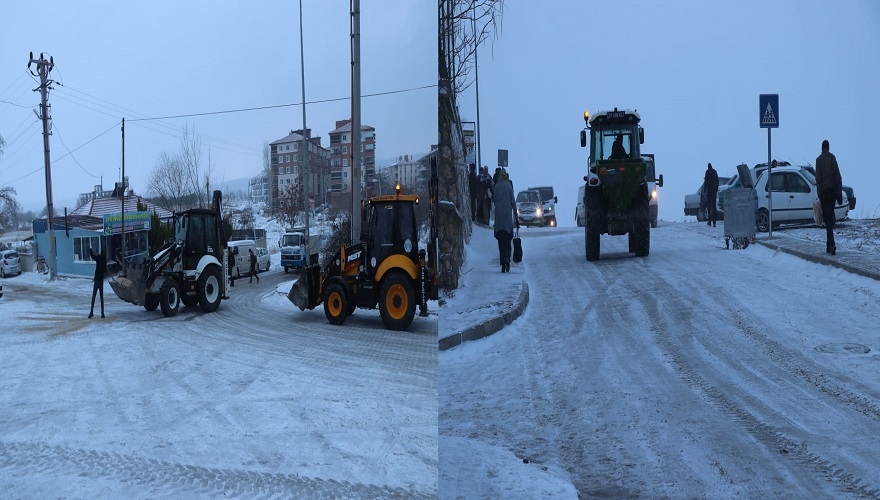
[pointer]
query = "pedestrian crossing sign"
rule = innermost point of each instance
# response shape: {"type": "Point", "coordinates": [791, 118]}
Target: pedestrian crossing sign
{"type": "Point", "coordinates": [768, 105]}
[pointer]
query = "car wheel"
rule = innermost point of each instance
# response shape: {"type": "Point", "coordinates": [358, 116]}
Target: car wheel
{"type": "Point", "coordinates": [763, 224]}
{"type": "Point", "coordinates": [2, 273]}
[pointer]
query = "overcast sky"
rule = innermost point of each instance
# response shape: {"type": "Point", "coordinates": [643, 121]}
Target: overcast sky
{"type": "Point", "coordinates": [694, 71]}
{"type": "Point", "coordinates": [164, 58]}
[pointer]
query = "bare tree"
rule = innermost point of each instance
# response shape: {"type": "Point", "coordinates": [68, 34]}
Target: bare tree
{"type": "Point", "coordinates": [207, 175]}
{"type": "Point", "coordinates": [8, 209]}
{"type": "Point", "coordinates": [166, 182]}
{"type": "Point", "coordinates": [464, 26]}
{"type": "Point", "coordinates": [290, 206]}
{"type": "Point", "coordinates": [2, 145]}
{"type": "Point", "coordinates": [190, 157]}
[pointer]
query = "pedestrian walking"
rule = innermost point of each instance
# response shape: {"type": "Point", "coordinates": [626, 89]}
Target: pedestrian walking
{"type": "Point", "coordinates": [710, 183]}
{"type": "Point", "coordinates": [830, 187]}
{"type": "Point", "coordinates": [487, 188]}
{"type": "Point", "coordinates": [98, 284]}
{"type": "Point", "coordinates": [253, 266]}
{"type": "Point", "coordinates": [473, 188]}
{"type": "Point", "coordinates": [505, 210]}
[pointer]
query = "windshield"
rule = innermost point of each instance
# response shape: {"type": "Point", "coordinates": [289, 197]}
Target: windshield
{"type": "Point", "coordinates": [809, 175]}
{"type": "Point", "coordinates": [291, 240]}
{"type": "Point", "coordinates": [604, 138]}
{"type": "Point", "coordinates": [527, 197]}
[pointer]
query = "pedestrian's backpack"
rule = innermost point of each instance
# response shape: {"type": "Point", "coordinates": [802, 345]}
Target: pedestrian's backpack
{"type": "Point", "coordinates": [517, 247]}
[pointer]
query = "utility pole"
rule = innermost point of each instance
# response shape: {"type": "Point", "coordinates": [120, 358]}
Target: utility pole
{"type": "Point", "coordinates": [477, 82]}
{"type": "Point", "coordinates": [44, 67]}
{"type": "Point", "coordinates": [305, 145]}
{"type": "Point", "coordinates": [356, 174]}
{"type": "Point", "coordinates": [124, 249]}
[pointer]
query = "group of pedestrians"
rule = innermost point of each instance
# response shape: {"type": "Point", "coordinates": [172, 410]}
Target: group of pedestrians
{"type": "Point", "coordinates": [829, 187]}
{"type": "Point", "coordinates": [481, 188]}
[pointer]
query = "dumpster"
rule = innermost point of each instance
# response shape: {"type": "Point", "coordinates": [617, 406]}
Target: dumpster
{"type": "Point", "coordinates": [740, 211]}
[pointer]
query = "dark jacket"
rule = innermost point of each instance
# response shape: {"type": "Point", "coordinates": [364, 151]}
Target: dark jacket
{"type": "Point", "coordinates": [828, 176]}
{"type": "Point", "coordinates": [711, 183]}
{"type": "Point", "coordinates": [505, 206]}
{"type": "Point", "coordinates": [253, 260]}
{"type": "Point", "coordinates": [473, 184]}
{"type": "Point", "coordinates": [100, 265]}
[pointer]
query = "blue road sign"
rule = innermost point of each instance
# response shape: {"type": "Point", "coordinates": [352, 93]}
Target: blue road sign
{"type": "Point", "coordinates": [768, 105]}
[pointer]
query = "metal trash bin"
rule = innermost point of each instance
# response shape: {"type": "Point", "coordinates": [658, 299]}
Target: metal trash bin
{"type": "Point", "coordinates": [740, 208]}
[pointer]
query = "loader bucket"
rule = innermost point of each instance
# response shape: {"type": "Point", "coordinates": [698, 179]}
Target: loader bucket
{"type": "Point", "coordinates": [305, 292]}
{"type": "Point", "coordinates": [131, 284]}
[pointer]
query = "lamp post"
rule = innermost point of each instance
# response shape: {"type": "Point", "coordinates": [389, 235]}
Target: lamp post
{"type": "Point", "coordinates": [477, 83]}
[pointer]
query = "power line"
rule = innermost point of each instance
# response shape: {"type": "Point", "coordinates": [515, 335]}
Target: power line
{"type": "Point", "coordinates": [321, 101]}
{"type": "Point", "coordinates": [18, 105]}
{"type": "Point", "coordinates": [58, 131]}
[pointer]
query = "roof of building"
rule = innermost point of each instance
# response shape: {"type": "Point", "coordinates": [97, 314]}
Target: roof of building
{"type": "Point", "coordinates": [99, 207]}
{"type": "Point", "coordinates": [291, 137]}
{"type": "Point", "coordinates": [347, 128]}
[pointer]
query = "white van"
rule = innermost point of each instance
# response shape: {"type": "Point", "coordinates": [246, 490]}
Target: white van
{"type": "Point", "coordinates": [239, 249]}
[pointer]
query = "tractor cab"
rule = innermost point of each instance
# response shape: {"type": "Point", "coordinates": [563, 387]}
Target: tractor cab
{"type": "Point", "coordinates": [196, 232]}
{"type": "Point", "coordinates": [390, 231]}
{"type": "Point", "coordinates": [614, 135]}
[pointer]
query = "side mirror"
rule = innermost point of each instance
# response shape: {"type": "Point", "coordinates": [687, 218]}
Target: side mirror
{"type": "Point", "coordinates": [555, 200]}
{"type": "Point", "coordinates": [583, 138]}
{"type": "Point", "coordinates": [660, 181]}
{"type": "Point", "coordinates": [641, 135]}
{"type": "Point", "coordinates": [585, 178]}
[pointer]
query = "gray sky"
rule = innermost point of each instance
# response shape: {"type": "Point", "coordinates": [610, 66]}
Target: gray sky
{"type": "Point", "coordinates": [694, 71]}
{"type": "Point", "coordinates": [163, 58]}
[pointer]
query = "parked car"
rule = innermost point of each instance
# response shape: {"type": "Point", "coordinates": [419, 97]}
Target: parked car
{"type": "Point", "coordinates": [528, 208]}
{"type": "Point", "coordinates": [10, 263]}
{"type": "Point", "coordinates": [262, 259]}
{"type": "Point", "coordinates": [580, 212]}
{"type": "Point", "coordinates": [694, 204]}
{"type": "Point", "coordinates": [793, 190]}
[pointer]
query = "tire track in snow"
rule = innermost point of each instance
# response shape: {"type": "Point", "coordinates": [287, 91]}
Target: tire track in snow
{"type": "Point", "coordinates": [28, 458]}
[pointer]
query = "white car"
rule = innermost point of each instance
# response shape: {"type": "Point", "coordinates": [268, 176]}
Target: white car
{"type": "Point", "coordinates": [793, 191]}
{"type": "Point", "coordinates": [262, 259]}
{"type": "Point", "coordinates": [580, 212]}
{"type": "Point", "coordinates": [10, 263]}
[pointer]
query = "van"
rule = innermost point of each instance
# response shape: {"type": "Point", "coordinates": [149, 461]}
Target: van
{"type": "Point", "coordinates": [239, 250]}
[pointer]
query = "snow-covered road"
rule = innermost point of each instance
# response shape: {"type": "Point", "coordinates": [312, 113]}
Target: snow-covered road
{"type": "Point", "coordinates": [696, 372]}
{"type": "Point", "coordinates": [256, 400]}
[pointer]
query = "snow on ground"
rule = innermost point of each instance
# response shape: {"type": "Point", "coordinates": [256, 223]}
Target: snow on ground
{"type": "Point", "coordinates": [471, 466]}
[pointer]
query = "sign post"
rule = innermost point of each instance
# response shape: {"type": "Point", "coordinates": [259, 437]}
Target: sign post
{"type": "Point", "coordinates": [502, 158]}
{"type": "Point", "coordinates": [768, 116]}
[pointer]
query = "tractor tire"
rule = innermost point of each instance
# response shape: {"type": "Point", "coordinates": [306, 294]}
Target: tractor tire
{"type": "Point", "coordinates": [642, 229]}
{"type": "Point", "coordinates": [763, 224]}
{"type": "Point", "coordinates": [189, 301]}
{"type": "Point", "coordinates": [631, 239]}
{"type": "Point", "coordinates": [335, 303]}
{"type": "Point", "coordinates": [208, 289]}
{"type": "Point", "coordinates": [397, 301]}
{"type": "Point", "coordinates": [169, 298]}
{"type": "Point", "coordinates": [654, 223]}
{"type": "Point", "coordinates": [591, 241]}
{"type": "Point", "coordinates": [151, 301]}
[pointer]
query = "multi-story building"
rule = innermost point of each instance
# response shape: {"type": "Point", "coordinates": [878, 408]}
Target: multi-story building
{"type": "Point", "coordinates": [287, 160]}
{"type": "Point", "coordinates": [258, 189]}
{"type": "Point", "coordinates": [341, 154]}
{"type": "Point", "coordinates": [412, 172]}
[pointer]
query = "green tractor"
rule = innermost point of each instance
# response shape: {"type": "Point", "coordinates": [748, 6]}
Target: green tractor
{"type": "Point", "coordinates": [616, 195]}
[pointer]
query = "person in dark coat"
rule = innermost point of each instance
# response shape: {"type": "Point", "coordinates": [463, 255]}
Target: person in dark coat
{"type": "Point", "coordinates": [253, 266]}
{"type": "Point", "coordinates": [98, 285]}
{"type": "Point", "coordinates": [489, 188]}
{"type": "Point", "coordinates": [473, 187]}
{"type": "Point", "coordinates": [710, 183]}
{"type": "Point", "coordinates": [830, 187]}
{"type": "Point", "coordinates": [617, 150]}
{"type": "Point", "coordinates": [505, 215]}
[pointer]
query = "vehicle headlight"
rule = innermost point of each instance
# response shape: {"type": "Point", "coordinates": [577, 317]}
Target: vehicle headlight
{"type": "Point", "coordinates": [654, 193]}
{"type": "Point", "coordinates": [538, 211]}
{"type": "Point", "coordinates": [549, 209]}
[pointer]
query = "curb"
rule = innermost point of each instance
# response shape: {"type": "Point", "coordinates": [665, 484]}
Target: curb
{"type": "Point", "coordinates": [821, 259]}
{"type": "Point", "coordinates": [490, 326]}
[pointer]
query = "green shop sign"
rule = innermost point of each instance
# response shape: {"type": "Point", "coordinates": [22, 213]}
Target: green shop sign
{"type": "Point", "coordinates": [134, 221]}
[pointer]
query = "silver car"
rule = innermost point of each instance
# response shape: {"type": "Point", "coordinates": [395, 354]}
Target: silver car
{"type": "Point", "coordinates": [10, 263]}
{"type": "Point", "coordinates": [528, 208]}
